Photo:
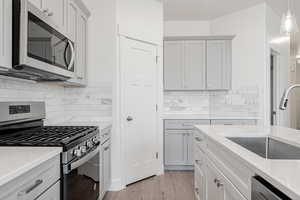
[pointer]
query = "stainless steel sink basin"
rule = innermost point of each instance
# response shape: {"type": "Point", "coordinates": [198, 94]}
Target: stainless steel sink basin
{"type": "Point", "coordinates": [268, 148]}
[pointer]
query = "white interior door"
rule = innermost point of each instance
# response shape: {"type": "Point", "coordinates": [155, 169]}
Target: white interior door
{"type": "Point", "coordinates": [139, 117]}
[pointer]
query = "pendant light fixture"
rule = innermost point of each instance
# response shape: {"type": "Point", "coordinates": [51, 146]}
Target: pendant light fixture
{"type": "Point", "coordinates": [288, 22]}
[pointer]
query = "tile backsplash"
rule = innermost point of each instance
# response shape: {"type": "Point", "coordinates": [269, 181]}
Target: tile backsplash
{"type": "Point", "coordinates": [91, 103]}
{"type": "Point", "coordinates": [243, 102]}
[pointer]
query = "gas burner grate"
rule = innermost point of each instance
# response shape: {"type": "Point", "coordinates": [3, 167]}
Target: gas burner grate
{"type": "Point", "coordinates": [47, 135]}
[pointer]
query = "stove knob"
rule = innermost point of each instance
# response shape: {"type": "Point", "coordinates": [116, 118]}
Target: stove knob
{"type": "Point", "coordinates": [89, 144]}
{"type": "Point", "coordinates": [83, 149]}
{"type": "Point", "coordinates": [77, 152]}
{"type": "Point", "coordinates": [96, 141]}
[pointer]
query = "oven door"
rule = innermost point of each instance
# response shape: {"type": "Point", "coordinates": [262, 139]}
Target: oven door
{"type": "Point", "coordinates": [38, 47]}
{"type": "Point", "coordinates": [81, 178]}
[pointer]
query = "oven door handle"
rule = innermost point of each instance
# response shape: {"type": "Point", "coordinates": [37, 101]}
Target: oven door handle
{"type": "Point", "coordinates": [82, 161]}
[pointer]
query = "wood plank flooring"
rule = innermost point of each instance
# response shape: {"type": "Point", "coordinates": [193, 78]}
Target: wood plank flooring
{"type": "Point", "coordinates": [170, 186]}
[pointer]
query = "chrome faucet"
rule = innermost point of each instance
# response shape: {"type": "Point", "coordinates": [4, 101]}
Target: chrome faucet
{"type": "Point", "coordinates": [284, 98]}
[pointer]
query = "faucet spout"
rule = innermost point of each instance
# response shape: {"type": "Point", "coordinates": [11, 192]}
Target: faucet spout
{"type": "Point", "coordinates": [284, 98]}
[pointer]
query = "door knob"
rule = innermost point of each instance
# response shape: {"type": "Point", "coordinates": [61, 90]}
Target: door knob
{"type": "Point", "coordinates": [129, 118]}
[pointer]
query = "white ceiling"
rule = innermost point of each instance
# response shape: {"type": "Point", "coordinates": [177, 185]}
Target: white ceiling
{"type": "Point", "coordinates": [211, 9]}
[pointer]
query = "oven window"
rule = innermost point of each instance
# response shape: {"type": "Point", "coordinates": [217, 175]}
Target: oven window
{"type": "Point", "coordinates": [83, 182]}
{"type": "Point", "coordinates": [47, 45]}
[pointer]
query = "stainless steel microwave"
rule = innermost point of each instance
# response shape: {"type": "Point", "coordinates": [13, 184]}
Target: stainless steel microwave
{"type": "Point", "coordinates": [40, 51]}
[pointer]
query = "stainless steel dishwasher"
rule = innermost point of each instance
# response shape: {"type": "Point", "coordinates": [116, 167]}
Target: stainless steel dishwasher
{"type": "Point", "coordinates": [263, 190]}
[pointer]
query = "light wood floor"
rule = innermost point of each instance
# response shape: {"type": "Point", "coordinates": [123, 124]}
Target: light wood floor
{"type": "Point", "coordinates": [170, 186]}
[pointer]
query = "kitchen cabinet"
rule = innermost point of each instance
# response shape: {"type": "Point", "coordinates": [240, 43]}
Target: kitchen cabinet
{"type": "Point", "coordinates": [194, 65]}
{"type": "Point", "coordinates": [200, 176]}
{"type": "Point", "coordinates": [173, 65]}
{"type": "Point", "coordinates": [52, 193]}
{"type": "Point", "coordinates": [197, 64]}
{"type": "Point", "coordinates": [218, 175]}
{"type": "Point", "coordinates": [105, 168]}
{"type": "Point", "coordinates": [218, 64]}
{"type": "Point", "coordinates": [77, 31]}
{"type": "Point", "coordinates": [175, 148]}
{"type": "Point", "coordinates": [56, 10]}
{"type": "Point", "coordinates": [178, 143]}
{"type": "Point", "coordinates": [41, 182]}
{"type": "Point", "coordinates": [5, 34]}
{"type": "Point", "coordinates": [234, 122]}
{"type": "Point", "coordinates": [218, 186]}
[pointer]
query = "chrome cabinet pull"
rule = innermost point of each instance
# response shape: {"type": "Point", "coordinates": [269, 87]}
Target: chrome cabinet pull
{"type": "Point", "coordinates": [31, 188]}
{"type": "Point", "coordinates": [198, 139]}
{"type": "Point", "coordinates": [218, 183]}
{"type": "Point", "coordinates": [106, 148]}
{"type": "Point", "coordinates": [50, 14]}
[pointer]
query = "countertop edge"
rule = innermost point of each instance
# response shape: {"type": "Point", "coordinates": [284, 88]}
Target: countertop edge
{"type": "Point", "coordinates": [26, 168]}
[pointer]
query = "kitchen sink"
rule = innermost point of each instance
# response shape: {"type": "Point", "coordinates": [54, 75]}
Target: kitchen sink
{"type": "Point", "coordinates": [268, 148]}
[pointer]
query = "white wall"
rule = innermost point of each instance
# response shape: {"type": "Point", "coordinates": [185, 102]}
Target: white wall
{"type": "Point", "coordinates": [186, 28]}
{"type": "Point", "coordinates": [248, 47]}
{"type": "Point", "coordinates": [95, 101]}
{"type": "Point", "coordinates": [141, 19]}
{"type": "Point", "coordinates": [273, 21]}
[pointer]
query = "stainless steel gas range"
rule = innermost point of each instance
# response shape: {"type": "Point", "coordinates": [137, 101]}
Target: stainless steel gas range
{"type": "Point", "coordinates": [21, 124]}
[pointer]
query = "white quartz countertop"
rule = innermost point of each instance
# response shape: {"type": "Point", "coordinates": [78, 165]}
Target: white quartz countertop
{"type": "Point", "coordinates": [15, 161]}
{"type": "Point", "coordinates": [283, 174]}
{"type": "Point", "coordinates": [203, 116]}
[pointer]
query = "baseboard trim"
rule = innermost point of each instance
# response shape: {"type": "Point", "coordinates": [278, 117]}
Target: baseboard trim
{"type": "Point", "coordinates": [116, 185]}
{"type": "Point", "coordinates": [179, 168]}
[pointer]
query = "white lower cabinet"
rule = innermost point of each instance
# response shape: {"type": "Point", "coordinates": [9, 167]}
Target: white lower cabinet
{"type": "Point", "coordinates": [175, 147]}
{"type": "Point", "coordinates": [41, 182]}
{"type": "Point", "coordinates": [52, 193]}
{"type": "Point", "coordinates": [105, 168]}
{"type": "Point", "coordinates": [218, 186]}
{"type": "Point", "coordinates": [211, 182]}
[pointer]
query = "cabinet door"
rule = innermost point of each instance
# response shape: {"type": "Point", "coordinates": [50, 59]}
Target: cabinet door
{"type": "Point", "coordinates": [200, 181]}
{"type": "Point", "coordinates": [195, 65]}
{"type": "Point", "coordinates": [190, 149]}
{"type": "Point", "coordinates": [218, 64]}
{"type": "Point", "coordinates": [52, 193]}
{"type": "Point", "coordinates": [5, 34]}
{"type": "Point", "coordinates": [72, 20]}
{"type": "Point", "coordinates": [81, 47]}
{"type": "Point", "coordinates": [173, 65]}
{"type": "Point", "coordinates": [106, 166]}
{"type": "Point", "coordinates": [212, 190]}
{"type": "Point", "coordinates": [57, 11]}
{"type": "Point", "coordinates": [36, 3]}
{"type": "Point", "coordinates": [175, 147]}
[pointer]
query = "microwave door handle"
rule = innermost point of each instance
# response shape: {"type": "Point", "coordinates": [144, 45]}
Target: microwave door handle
{"type": "Point", "coordinates": [72, 55]}
{"type": "Point", "coordinates": [65, 55]}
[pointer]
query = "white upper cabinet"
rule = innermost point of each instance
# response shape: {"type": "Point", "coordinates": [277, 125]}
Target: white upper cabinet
{"type": "Point", "coordinates": [173, 65]}
{"type": "Point", "coordinates": [36, 3]}
{"type": "Point", "coordinates": [73, 12]}
{"type": "Point", "coordinates": [77, 29]}
{"type": "Point", "coordinates": [81, 47]}
{"type": "Point", "coordinates": [56, 10]}
{"type": "Point", "coordinates": [197, 64]}
{"type": "Point", "coordinates": [5, 34]}
{"type": "Point", "coordinates": [194, 65]}
{"type": "Point", "coordinates": [218, 65]}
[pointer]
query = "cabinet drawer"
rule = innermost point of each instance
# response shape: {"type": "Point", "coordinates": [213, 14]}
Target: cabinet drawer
{"type": "Point", "coordinates": [184, 124]}
{"type": "Point", "coordinates": [199, 141]}
{"type": "Point", "coordinates": [233, 122]}
{"type": "Point", "coordinates": [32, 184]}
{"type": "Point", "coordinates": [239, 174]}
{"type": "Point", "coordinates": [52, 193]}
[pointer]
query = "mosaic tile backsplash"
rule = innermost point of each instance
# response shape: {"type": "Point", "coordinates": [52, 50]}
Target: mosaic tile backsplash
{"type": "Point", "coordinates": [243, 102]}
